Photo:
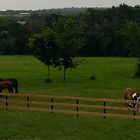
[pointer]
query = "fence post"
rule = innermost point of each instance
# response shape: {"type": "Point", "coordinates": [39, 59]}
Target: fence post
{"type": "Point", "coordinates": [134, 112]}
{"type": "Point", "coordinates": [28, 105]}
{"type": "Point", "coordinates": [52, 105]}
{"type": "Point", "coordinates": [77, 108]}
{"type": "Point", "coordinates": [6, 101]}
{"type": "Point", "coordinates": [104, 109]}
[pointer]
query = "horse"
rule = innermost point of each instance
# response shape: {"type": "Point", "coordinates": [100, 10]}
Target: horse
{"type": "Point", "coordinates": [130, 95]}
{"type": "Point", "coordinates": [6, 84]}
{"type": "Point", "coordinates": [128, 92]}
{"type": "Point", "coordinates": [135, 96]}
{"type": "Point", "coordinates": [14, 81]}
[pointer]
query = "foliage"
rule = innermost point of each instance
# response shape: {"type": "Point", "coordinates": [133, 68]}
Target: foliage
{"type": "Point", "coordinates": [69, 41]}
{"type": "Point", "coordinates": [131, 34]}
{"type": "Point", "coordinates": [48, 80]}
{"type": "Point", "coordinates": [35, 24]}
{"type": "Point", "coordinates": [101, 27]}
{"type": "Point", "coordinates": [6, 46]}
{"type": "Point", "coordinates": [57, 46]}
{"type": "Point", "coordinates": [51, 18]}
{"type": "Point", "coordinates": [92, 77]}
{"type": "Point", "coordinates": [13, 38]}
{"type": "Point", "coordinates": [45, 47]}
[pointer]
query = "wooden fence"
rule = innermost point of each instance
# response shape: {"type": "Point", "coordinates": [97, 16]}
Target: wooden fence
{"type": "Point", "coordinates": [70, 105]}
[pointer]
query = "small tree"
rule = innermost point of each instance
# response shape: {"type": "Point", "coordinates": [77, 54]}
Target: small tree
{"type": "Point", "coordinates": [69, 41]}
{"type": "Point", "coordinates": [45, 47]}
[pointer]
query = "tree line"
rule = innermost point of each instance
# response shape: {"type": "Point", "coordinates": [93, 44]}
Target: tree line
{"type": "Point", "coordinates": [111, 31]}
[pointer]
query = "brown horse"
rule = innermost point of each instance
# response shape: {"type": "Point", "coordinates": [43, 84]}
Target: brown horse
{"type": "Point", "coordinates": [6, 84]}
{"type": "Point", "coordinates": [14, 81]}
{"type": "Point", "coordinates": [130, 95]}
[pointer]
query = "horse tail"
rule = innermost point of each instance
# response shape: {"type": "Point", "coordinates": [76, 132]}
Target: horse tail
{"type": "Point", "coordinates": [16, 85]}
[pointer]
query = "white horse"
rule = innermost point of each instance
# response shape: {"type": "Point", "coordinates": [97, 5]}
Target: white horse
{"type": "Point", "coordinates": [135, 96]}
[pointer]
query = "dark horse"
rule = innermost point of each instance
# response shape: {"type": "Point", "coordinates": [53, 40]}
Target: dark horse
{"type": "Point", "coordinates": [14, 82]}
{"type": "Point", "coordinates": [6, 84]}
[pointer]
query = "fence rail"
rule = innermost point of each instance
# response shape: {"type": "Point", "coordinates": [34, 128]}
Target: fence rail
{"type": "Point", "coordinates": [61, 104]}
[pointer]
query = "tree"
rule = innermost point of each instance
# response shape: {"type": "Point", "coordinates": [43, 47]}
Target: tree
{"type": "Point", "coordinates": [35, 26]}
{"type": "Point", "coordinates": [50, 18]}
{"type": "Point", "coordinates": [6, 43]}
{"type": "Point", "coordinates": [131, 36]}
{"type": "Point", "coordinates": [20, 35]}
{"type": "Point", "coordinates": [69, 41]}
{"type": "Point", "coordinates": [44, 47]}
{"type": "Point", "coordinates": [57, 46]}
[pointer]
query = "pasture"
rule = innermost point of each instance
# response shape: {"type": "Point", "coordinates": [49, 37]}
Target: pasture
{"type": "Point", "coordinates": [112, 75]}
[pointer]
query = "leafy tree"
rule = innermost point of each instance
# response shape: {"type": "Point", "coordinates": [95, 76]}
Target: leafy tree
{"type": "Point", "coordinates": [35, 26]}
{"type": "Point", "coordinates": [69, 41]}
{"type": "Point", "coordinates": [19, 34]}
{"type": "Point", "coordinates": [6, 46]}
{"type": "Point", "coordinates": [50, 18]}
{"type": "Point", "coordinates": [57, 46]}
{"type": "Point", "coordinates": [6, 43]}
{"type": "Point", "coordinates": [131, 36]}
{"type": "Point", "coordinates": [44, 47]}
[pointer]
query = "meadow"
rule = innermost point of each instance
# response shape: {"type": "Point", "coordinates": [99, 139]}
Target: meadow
{"type": "Point", "coordinates": [113, 75]}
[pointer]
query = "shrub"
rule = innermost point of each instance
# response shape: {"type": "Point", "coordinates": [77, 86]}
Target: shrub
{"type": "Point", "coordinates": [137, 74]}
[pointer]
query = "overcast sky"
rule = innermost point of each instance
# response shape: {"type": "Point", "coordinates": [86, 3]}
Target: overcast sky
{"type": "Point", "coordinates": [48, 4]}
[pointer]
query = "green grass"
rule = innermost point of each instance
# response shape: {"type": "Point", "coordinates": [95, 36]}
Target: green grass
{"type": "Point", "coordinates": [112, 75]}
{"type": "Point", "coordinates": [32, 125]}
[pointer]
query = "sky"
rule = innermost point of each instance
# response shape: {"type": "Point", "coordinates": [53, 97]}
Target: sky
{"type": "Point", "coordinates": [49, 4]}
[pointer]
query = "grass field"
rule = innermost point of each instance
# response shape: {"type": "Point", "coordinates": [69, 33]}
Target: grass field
{"type": "Point", "coordinates": [112, 75]}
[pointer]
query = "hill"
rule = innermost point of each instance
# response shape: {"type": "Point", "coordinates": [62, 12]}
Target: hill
{"type": "Point", "coordinates": [65, 11]}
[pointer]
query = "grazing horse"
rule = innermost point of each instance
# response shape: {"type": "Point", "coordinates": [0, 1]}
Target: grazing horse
{"type": "Point", "coordinates": [14, 81]}
{"type": "Point", "coordinates": [130, 95]}
{"type": "Point", "coordinates": [6, 84]}
{"type": "Point", "coordinates": [135, 96]}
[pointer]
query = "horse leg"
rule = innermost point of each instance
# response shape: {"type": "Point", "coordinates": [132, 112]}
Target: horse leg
{"type": "Point", "coordinates": [0, 92]}
{"type": "Point", "coordinates": [131, 105]}
{"type": "Point", "coordinates": [15, 85]}
{"type": "Point", "coordinates": [8, 90]}
{"type": "Point", "coordinates": [12, 90]}
{"type": "Point", "coordinates": [16, 90]}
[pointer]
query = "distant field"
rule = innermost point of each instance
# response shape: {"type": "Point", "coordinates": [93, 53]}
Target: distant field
{"type": "Point", "coordinates": [112, 75]}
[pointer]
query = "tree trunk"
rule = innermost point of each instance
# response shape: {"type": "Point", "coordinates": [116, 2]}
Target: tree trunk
{"type": "Point", "coordinates": [48, 72]}
{"type": "Point", "coordinates": [64, 73]}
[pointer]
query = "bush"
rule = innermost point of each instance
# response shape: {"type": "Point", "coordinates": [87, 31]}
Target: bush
{"type": "Point", "coordinates": [92, 77]}
{"type": "Point", "coordinates": [137, 74]}
{"type": "Point", "coordinates": [48, 80]}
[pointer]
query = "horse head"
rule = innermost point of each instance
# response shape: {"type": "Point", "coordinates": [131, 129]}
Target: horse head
{"type": "Point", "coordinates": [138, 96]}
{"type": "Point", "coordinates": [135, 96]}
